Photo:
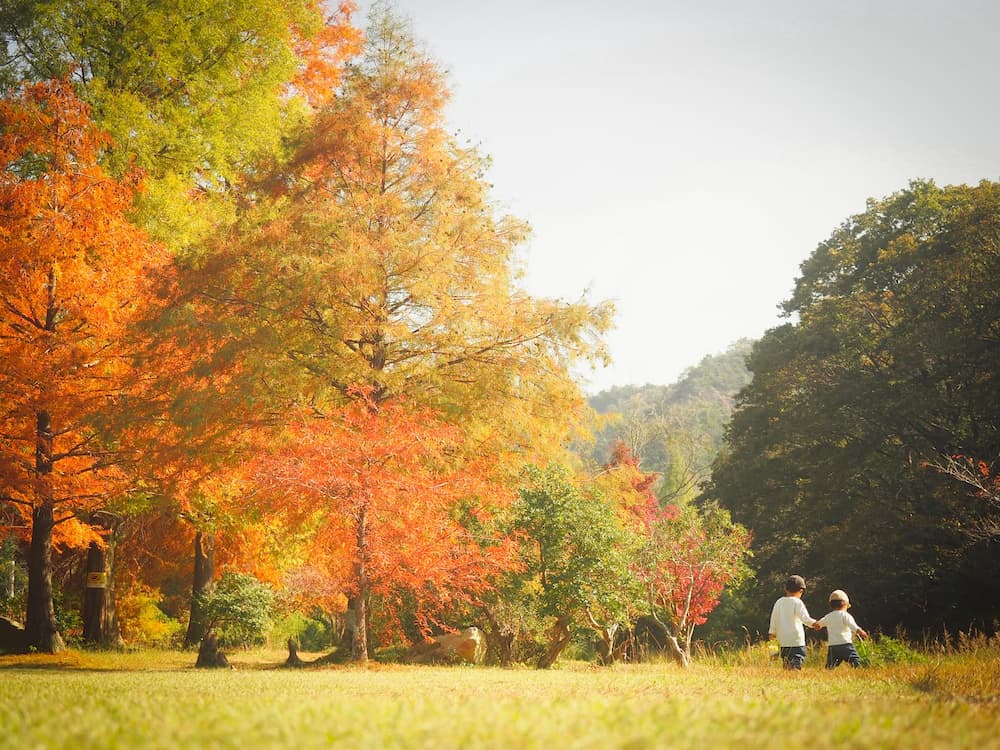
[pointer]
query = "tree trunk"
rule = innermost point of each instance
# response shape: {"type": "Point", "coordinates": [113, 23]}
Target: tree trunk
{"type": "Point", "coordinates": [41, 632]}
{"type": "Point", "coordinates": [560, 639]}
{"type": "Point", "coordinates": [673, 645]}
{"type": "Point", "coordinates": [95, 595]}
{"type": "Point", "coordinates": [359, 644]}
{"type": "Point", "coordinates": [204, 574]}
{"type": "Point", "coordinates": [677, 651]}
{"type": "Point", "coordinates": [293, 660]}
{"type": "Point", "coordinates": [501, 639]}
{"type": "Point", "coordinates": [688, 636]}
{"type": "Point", "coordinates": [504, 643]}
{"type": "Point", "coordinates": [606, 648]}
{"type": "Point", "coordinates": [100, 616]}
{"type": "Point", "coordinates": [110, 633]}
{"type": "Point", "coordinates": [209, 655]}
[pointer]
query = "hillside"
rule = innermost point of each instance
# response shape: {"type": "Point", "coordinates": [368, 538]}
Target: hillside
{"type": "Point", "coordinates": [675, 430]}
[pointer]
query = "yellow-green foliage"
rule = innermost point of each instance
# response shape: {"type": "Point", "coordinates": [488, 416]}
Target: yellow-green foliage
{"type": "Point", "coordinates": [147, 625]}
{"type": "Point", "coordinates": [147, 701]}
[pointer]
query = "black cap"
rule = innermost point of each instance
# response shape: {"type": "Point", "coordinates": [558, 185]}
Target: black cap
{"type": "Point", "coordinates": [795, 583]}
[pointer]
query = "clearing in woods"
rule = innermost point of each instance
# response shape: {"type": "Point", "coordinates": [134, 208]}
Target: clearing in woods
{"type": "Point", "coordinates": [86, 700]}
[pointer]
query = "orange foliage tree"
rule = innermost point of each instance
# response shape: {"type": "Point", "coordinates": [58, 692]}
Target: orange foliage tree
{"type": "Point", "coordinates": [381, 261]}
{"type": "Point", "coordinates": [208, 407]}
{"type": "Point", "coordinates": [73, 271]}
{"type": "Point", "coordinates": [382, 489]}
{"type": "Point", "coordinates": [376, 259]}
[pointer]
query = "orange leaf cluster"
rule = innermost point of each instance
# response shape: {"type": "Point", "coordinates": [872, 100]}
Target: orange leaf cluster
{"type": "Point", "coordinates": [323, 52]}
{"type": "Point", "coordinates": [384, 492]}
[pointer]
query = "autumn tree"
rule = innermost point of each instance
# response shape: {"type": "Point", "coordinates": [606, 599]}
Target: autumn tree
{"type": "Point", "coordinates": [197, 94]}
{"type": "Point", "coordinates": [373, 261]}
{"type": "Point", "coordinates": [690, 556]}
{"type": "Point", "coordinates": [685, 556]}
{"type": "Point", "coordinates": [382, 263]}
{"type": "Point", "coordinates": [381, 488]}
{"type": "Point", "coordinates": [74, 272]}
{"type": "Point", "coordinates": [193, 92]}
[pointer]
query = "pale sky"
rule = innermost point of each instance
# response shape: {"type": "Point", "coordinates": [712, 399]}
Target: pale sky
{"type": "Point", "coordinates": [683, 158]}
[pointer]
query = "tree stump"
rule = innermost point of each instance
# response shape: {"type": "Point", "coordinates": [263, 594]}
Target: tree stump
{"type": "Point", "coordinates": [209, 656]}
{"type": "Point", "coordinates": [293, 659]}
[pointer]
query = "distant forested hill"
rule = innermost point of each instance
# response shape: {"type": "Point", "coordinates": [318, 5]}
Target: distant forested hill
{"type": "Point", "coordinates": [675, 430]}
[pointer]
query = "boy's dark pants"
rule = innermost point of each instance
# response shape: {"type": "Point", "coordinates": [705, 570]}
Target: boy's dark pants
{"type": "Point", "coordinates": [842, 652]}
{"type": "Point", "coordinates": [793, 657]}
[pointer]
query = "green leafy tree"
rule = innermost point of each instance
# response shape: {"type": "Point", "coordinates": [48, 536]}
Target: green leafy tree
{"type": "Point", "coordinates": [891, 365]}
{"type": "Point", "coordinates": [579, 551]}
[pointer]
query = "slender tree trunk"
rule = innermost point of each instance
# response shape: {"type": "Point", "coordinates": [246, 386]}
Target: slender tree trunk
{"type": "Point", "coordinates": [688, 636]}
{"type": "Point", "coordinates": [606, 649]}
{"type": "Point", "coordinates": [559, 641]}
{"type": "Point", "coordinates": [204, 574]}
{"type": "Point", "coordinates": [504, 642]}
{"type": "Point", "coordinates": [673, 645]}
{"type": "Point", "coordinates": [359, 646]}
{"type": "Point", "coordinates": [40, 627]}
{"type": "Point", "coordinates": [677, 651]}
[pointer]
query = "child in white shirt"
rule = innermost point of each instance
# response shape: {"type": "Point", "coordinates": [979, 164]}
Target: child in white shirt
{"type": "Point", "coordinates": [841, 628]}
{"type": "Point", "coordinates": [788, 616]}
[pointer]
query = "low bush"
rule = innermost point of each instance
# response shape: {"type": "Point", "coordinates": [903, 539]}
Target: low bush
{"type": "Point", "coordinates": [884, 650]}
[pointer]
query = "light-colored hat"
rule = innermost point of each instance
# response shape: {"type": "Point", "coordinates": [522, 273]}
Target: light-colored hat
{"type": "Point", "coordinates": [840, 596]}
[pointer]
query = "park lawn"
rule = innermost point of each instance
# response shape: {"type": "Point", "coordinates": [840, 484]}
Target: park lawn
{"type": "Point", "coordinates": [83, 700]}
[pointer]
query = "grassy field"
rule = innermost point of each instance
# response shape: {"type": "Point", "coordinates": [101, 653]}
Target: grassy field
{"type": "Point", "coordinates": [157, 700]}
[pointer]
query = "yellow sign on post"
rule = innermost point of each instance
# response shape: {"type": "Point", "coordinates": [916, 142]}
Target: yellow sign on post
{"type": "Point", "coordinates": [97, 580]}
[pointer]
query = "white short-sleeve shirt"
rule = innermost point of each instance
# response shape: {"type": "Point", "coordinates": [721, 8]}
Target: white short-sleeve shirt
{"type": "Point", "coordinates": [840, 626]}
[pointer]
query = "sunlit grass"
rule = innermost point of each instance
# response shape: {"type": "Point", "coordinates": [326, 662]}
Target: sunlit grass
{"type": "Point", "coordinates": [157, 700]}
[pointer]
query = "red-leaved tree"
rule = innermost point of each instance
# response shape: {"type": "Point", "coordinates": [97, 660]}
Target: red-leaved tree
{"type": "Point", "coordinates": [691, 555]}
{"type": "Point", "coordinates": [384, 489]}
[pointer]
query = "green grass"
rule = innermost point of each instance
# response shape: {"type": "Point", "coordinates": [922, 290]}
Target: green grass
{"type": "Point", "coordinates": [157, 700]}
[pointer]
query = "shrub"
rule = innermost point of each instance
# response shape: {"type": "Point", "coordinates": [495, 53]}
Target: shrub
{"type": "Point", "coordinates": [239, 609]}
{"type": "Point", "coordinates": [884, 650]}
{"type": "Point", "coordinates": [311, 633]}
{"type": "Point", "coordinates": [143, 623]}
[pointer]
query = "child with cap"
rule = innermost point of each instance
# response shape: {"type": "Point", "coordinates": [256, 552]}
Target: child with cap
{"type": "Point", "coordinates": [788, 616]}
{"type": "Point", "coordinates": [841, 627]}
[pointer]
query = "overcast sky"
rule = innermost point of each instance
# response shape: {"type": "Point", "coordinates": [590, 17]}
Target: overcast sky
{"type": "Point", "coordinates": [683, 158]}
